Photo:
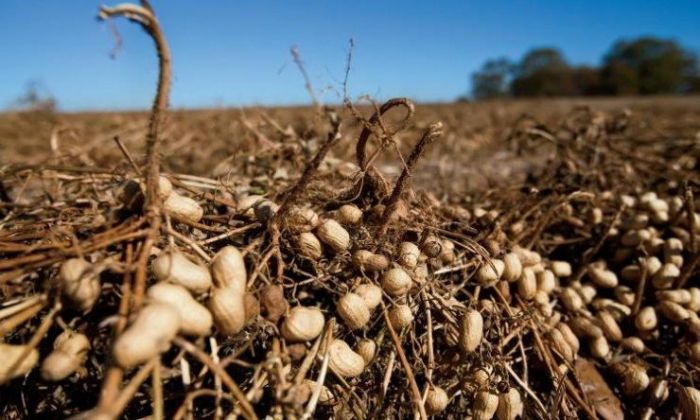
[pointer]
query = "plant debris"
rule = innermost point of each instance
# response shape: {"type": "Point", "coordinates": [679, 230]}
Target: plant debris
{"type": "Point", "coordinates": [292, 283]}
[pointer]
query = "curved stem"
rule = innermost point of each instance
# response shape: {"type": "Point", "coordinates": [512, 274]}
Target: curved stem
{"type": "Point", "coordinates": [144, 16]}
{"type": "Point", "coordinates": [360, 149]}
{"type": "Point", "coordinates": [429, 136]}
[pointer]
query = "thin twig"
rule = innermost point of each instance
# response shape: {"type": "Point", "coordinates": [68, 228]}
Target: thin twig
{"type": "Point", "coordinates": [318, 385]}
{"type": "Point", "coordinates": [35, 340]}
{"type": "Point", "coordinates": [527, 389]}
{"type": "Point", "coordinates": [157, 385]}
{"type": "Point", "coordinates": [417, 399]}
{"type": "Point", "coordinates": [307, 81]}
{"type": "Point", "coordinates": [243, 402]}
{"type": "Point", "coordinates": [117, 406]}
{"type": "Point", "coordinates": [128, 156]}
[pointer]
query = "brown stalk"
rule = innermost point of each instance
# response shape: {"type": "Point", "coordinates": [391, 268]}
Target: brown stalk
{"type": "Point", "coordinates": [695, 255]}
{"type": "Point", "coordinates": [327, 337]}
{"type": "Point", "coordinates": [248, 411]}
{"type": "Point", "coordinates": [38, 335]}
{"type": "Point", "coordinates": [191, 396]}
{"type": "Point", "coordinates": [144, 16]}
{"type": "Point", "coordinates": [114, 374]}
{"type": "Point", "coordinates": [157, 390]}
{"type": "Point", "coordinates": [22, 312]}
{"type": "Point", "coordinates": [117, 405]}
{"type": "Point", "coordinates": [415, 391]}
{"type": "Point", "coordinates": [307, 80]}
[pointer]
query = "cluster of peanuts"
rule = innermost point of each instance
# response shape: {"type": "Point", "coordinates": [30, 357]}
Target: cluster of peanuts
{"type": "Point", "coordinates": [396, 277]}
{"type": "Point", "coordinates": [652, 247]}
{"type": "Point", "coordinates": [187, 298]}
{"type": "Point", "coordinates": [618, 306]}
{"type": "Point", "coordinates": [590, 307]}
{"type": "Point", "coordinates": [172, 307]}
{"type": "Point", "coordinates": [313, 237]}
{"type": "Point", "coordinates": [196, 299]}
{"type": "Point", "coordinates": [70, 348]}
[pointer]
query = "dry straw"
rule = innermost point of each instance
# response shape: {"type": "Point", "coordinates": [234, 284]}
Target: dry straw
{"type": "Point", "coordinates": [339, 291]}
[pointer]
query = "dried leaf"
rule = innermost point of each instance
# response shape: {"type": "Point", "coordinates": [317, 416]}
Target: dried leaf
{"type": "Point", "coordinates": [597, 391]}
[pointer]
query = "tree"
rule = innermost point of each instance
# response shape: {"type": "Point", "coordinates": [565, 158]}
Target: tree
{"type": "Point", "coordinates": [641, 66]}
{"type": "Point", "coordinates": [587, 80]}
{"type": "Point", "coordinates": [492, 80]}
{"type": "Point", "coordinates": [648, 66]}
{"type": "Point", "coordinates": [694, 84]}
{"type": "Point", "coordinates": [543, 72]}
{"type": "Point", "coordinates": [619, 79]}
{"type": "Point", "coordinates": [539, 59]}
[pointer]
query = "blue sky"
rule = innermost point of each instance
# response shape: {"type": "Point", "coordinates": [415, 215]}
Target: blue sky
{"type": "Point", "coordinates": [236, 52]}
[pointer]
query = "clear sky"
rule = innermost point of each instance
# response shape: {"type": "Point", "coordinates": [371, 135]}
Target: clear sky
{"type": "Point", "coordinates": [236, 52]}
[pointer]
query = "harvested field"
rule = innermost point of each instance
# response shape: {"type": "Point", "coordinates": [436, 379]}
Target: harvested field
{"type": "Point", "coordinates": [524, 259]}
{"type": "Point", "coordinates": [553, 182]}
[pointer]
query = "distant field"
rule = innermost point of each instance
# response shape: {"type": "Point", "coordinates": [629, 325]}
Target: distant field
{"type": "Point", "coordinates": [202, 141]}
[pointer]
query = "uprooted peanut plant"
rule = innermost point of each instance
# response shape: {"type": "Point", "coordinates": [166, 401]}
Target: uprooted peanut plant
{"type": "Point", "coordinates": [341, 291]}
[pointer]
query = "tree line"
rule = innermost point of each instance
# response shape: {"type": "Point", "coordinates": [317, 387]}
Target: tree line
{"type": "Point", "coordinates": [642, 66]}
